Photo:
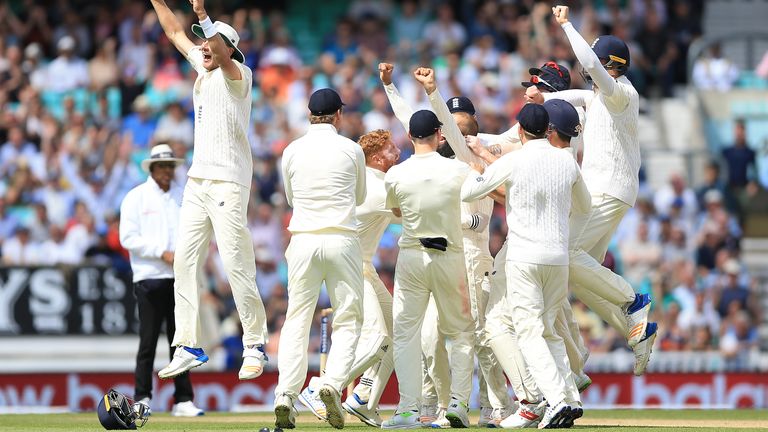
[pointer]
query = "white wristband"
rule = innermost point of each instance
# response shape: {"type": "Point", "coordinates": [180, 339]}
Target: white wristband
{"type": "Point", "coordinates": [208, 29]}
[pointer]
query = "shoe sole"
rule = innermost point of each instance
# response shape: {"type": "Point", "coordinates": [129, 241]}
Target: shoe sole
{"type": "Point", "coordinates": [200, 361]}
{"type": "Point", "coordinates": [554, 423]}
{"type": "Point", "coordinates": [362, 417]}
{"type": "Point", "coordinates": [283, 417]}
{"type": "Point", "coordinates": [306, 403]}
{"type": "Point", "coordinates": [455, 421]}
{"type": "Point", "coordinates": [334, 417]}
{"type": "Point", "coordinates": [637, 331]}
{"type": "Point", "coordinates": [650, 340]}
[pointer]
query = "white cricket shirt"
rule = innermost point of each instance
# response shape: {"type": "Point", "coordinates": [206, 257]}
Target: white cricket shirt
{"type": "Point", "coordinates": [324, 180]}
{"type": "Point", "coordinates": [373, 216]}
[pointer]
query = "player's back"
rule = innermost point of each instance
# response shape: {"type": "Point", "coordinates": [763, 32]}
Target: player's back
{"type": "Point", "coordinates": [427, 188]}
{"type": "Point", "coordinates": [323, 173]}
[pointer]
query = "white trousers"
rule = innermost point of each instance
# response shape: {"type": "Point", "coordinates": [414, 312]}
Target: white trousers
{"type": "Point", "coordinates": [436, 388]}
{"type": "Point", "coordinates": [603, 291]}
{"type": "Point", "coordinates": [376, 331]}
{"type": "Point", "coordinates": [218, 208]}
{"type": "Point", "coordinates": [313, 259]}
{"type": "Point", "coordinates": [536, 293]}
{"type": "Point", "coordinates": [419, 273]}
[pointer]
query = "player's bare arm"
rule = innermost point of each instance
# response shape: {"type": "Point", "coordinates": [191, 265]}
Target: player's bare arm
{"type": "Point", "coordinates": [172, 27]}
{"type": "Point", "coordinates": [488, 154]}
{"type": "Point", "coordinates": [222, 54]}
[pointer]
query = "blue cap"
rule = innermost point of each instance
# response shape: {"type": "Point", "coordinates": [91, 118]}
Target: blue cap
{"type": "Point", "coordinates": [460, 104]}
{"type": "Point", "coordinates": [423, 123]}
{"type": "Point", "coordinates": [563, 117]}
{"type": "Point", "coordinates": [613, 50]}
{"type": "Point", "coordinates": [324, 101]}
{"type": "Point", "coordinates": [550, 76]}
{"type": "Point", "coordinates": [533, 118]}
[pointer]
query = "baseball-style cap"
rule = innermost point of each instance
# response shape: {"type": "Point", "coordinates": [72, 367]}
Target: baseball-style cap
{"type": "Point", "coordinates": [550, 76]}
{"type": "Point", "coordinates": [460, 104]}
{"type": "Point", "coordinates": [324, 101]}
{"type": "Point", "coordinates": [423, 123]}
{"type": "Point", "coordinates": [612, 49]}
{"type": "Point", "coordinates": [563, 117]}
{"type": "Point", "coordinates": [229, 34]}
{"type": "Point", "coordinates": [533, 118]}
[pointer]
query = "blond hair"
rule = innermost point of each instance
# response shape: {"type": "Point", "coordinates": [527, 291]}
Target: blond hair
{"type": "Point", "coordinates": [373, 142]}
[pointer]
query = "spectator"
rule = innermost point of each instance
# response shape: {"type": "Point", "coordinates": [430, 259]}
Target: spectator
{"type": "Point", "coordinates": [715, 72]}
{"type": "Point", "coordinates": [732, 291]}
{"type": "Point", "coordinates": [677, 193]}
{"type": "Point", "coordinates": [67, 72]}
{"type": "Point", "coordinates": [659, 52]}
{"type": "Point", "coordinates": [20, 249]}
{"type": "Point", "coordinates": [136, 54]}
{"type": "Point", "coordinates": [738, 340]}
{"type": "Point", "coordinates": [739, 158]}
{"type": "Point", "coordinates": [712, 181]}
{"type": "Point", "coordinates": [407, 27]}
{"type": "Point", "coordinates": [141, 125]}
{"type": "Point", "coordinates": [703, 315]}
{"type": "Point", "coordinates": [103, 68]}
{"type": "Point", "coordinates": [444, 33]}
{"type": "Point", "coordinates": [175, 125]}
{"type": "Point", "coordinates": [641, 256]}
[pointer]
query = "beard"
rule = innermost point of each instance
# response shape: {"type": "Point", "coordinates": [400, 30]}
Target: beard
{"type": "Point", "coordinates": [445, 150]}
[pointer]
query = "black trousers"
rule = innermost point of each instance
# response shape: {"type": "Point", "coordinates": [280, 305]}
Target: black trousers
{"type": "Point", "coordinates": [155, 300]}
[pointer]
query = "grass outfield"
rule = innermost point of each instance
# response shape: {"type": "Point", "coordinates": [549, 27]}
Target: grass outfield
{"type": "Point", "coordinates": [594, 420]}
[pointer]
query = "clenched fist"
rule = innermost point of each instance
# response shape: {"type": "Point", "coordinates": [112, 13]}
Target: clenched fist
{"type": "Point", "coordinates": [561, 14]}
{"type": "Point", "coordinates": [385, 73]}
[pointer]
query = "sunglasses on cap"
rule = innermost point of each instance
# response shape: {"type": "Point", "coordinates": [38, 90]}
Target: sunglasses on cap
{"type": "Point", "coordinates": [539, 80]}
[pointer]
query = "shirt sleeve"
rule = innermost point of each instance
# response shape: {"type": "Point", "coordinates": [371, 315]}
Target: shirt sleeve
{"type": "Point", "coordinates": [400, 107]}
{"type": "Point", "coordinates": [239, 88]}
{"type": "Point", "coordinates": [130, 230]}
{"type": "Point", "coordinates": [360, 188]}
{"type": "Point", "coordinates": [478, 185]}
{"type": "Point", "coordinates": [575, 97]}
{"type": "Point", "coordinates": [195, 58]}
{"type": "Point", "coordinates": [581, 201]}
{"type": "Point", "coordinates": [284, 169]}
{"type": "Point", "coordinates": [389, 185]}
{"type": "Point", "coordinates": [508, 140]}
{"type": "Point", "coordinates": [450, 129]}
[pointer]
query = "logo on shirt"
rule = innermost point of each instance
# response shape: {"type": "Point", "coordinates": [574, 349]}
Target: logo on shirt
{"type": "Point", "coordinates": [199, 113]}
{"type": "Point", "coordinates": [479, 179]}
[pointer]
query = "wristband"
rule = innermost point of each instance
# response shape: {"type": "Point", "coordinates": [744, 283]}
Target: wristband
{"type": "Point", "coordinates": [209, 30]}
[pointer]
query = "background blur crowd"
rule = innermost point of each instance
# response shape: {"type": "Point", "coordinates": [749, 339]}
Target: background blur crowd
{"type": "Point", "coordinates": [86, 88]}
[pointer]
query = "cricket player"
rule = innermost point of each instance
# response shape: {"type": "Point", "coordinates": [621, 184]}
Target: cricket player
{"type": "Point", "coordinates": [543, 185]}
{"type": "Point", "coordinates": [425, 191]}
{"type": "Point", "coordinates": [373, 349]}
{"type": "Point", "coordinates": [217, 192]}
{"type": "Point", "coordinates": [325, 180]}
{"type": "Point", "coordinates": [611, 164]}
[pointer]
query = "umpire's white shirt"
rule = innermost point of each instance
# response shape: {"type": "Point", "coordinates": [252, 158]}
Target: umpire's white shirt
{"type": "Point", "coordinates": [373, 217]}
{"type": "Point", "coordinates": [222, 115]}
{"type": "Point", "coordinates": [324, 179]}
{"type": "Point", "coordinates": [542, 184]}
{"type": "Point", "coordinates": [149, 222]}
{"type": "Point", "coordinates": [411, 186]}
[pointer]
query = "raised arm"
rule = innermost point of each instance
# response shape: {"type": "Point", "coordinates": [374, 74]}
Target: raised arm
{"type": "Point", "coordinates": [172, 27]}
{"type": "Point", "coordinates": [402, 111]}
{"type": "Point", "coordinates": [220, 51]}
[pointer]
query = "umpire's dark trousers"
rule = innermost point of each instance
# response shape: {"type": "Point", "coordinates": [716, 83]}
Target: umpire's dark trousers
{"type": "Point", "coordinates": [155, 301]}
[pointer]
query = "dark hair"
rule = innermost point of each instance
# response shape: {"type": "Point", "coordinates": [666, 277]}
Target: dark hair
{"type": "Point", "coordinates": [319, 119]}
{"type": "Point", "coordinates": [534, 136]}
{"type": "Point", "coordinates": [563, 136]}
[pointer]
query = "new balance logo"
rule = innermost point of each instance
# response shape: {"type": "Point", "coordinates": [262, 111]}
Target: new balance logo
{"type": "Point", "coordinates": [384, 348]}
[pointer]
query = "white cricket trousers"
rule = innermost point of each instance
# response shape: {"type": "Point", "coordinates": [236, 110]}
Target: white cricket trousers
{"type": "Point", "coordinates": [218, 208]}
{"type": "Point", "coordinates": [535, 294]}
{"type": "Point", "coordinates": [375, 335]}
{"type": "Point", "coordinates": [602, 290]}
{"type": "Point", "coordinates": [419, 273]}
{"type": "Point", "coordinates": [436, 387]}
{"type": "Point", "coordinates": [313, 258]}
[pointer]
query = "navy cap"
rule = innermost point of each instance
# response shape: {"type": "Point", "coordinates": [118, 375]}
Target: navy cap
{"type": "Point", "coordinates": [533, 119]}
{"type": "Point", "coordinates": [550, 77]}
{"type": "Point", "coordinates": [460, 104]}
{"type": "Point", "coordinates": [563, 117]}
{"type": "Point", "coordinates": [324, 101]}
{"type": "Point", "coordinates": [613, 50]}
{"type": "Point", "coordinates": [423, 123]}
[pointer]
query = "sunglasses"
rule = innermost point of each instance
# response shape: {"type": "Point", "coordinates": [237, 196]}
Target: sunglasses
{"type": "Point", "coordinates": [539, 80]}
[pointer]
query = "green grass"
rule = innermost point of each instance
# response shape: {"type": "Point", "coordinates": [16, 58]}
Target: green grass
{"type": "Point", "coordinates": [598, 420]}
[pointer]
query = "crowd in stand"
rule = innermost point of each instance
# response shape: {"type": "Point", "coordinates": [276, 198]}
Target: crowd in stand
{"type": "Point", "coordinates": [86, 88]}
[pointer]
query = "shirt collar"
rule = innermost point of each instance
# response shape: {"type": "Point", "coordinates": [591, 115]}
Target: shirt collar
{"type": "Point", "coordinates": [378, 173]}
{"type": "Point", "coordinates": [322, 127]}
{"type": "Point", "coordinates": [155, 186]}
{"type": "Point", "coordinates": [538, 143]}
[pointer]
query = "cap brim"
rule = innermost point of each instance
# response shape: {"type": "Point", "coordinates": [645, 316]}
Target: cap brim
{"type": "Point", "coordinates": [147, 162]}
{"type": "Point", "coordinates": [237, 55]}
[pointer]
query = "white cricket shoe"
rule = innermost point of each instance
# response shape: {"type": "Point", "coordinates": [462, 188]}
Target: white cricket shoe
{"type": "Point", "coordinates": [184, 359]}
{"type": "Point", "coordinates": [486, 417]}
{"type": "Point", "coordinates": [147, 402]}
{"type": "Point", "coordinates": [254, 361]}
{"type": "Point", "coordinates": [497, 415]}
{"type": "Point", "coordinates": [441, 422]}
{"type": "Point", "coordinates": [285, 413]}
{"type": "Point", "coordinates": [644, 348]}
{"type": "Point", "coordinates": [403, 420]}
{"type": "Point", "coordinates": [310, 398]}
{"type": "Point", "coordinates": [186, 409]}
{"type": "Point", "coordinates": [637, 318]}
{"type": "Point", "coordinates": [359, 409]}
{"type": "Point", "coordinates": [457, 414]}
{"type": "Point", "coordinates": [528, 414]}
{"type": "Point", "coordinates": [333, 411]}
{"type": "Point", "coordinates": [428, 413]}
{"type": "Point", "coordinates": [555, 415]}
{"type": "Point", "coordinates": [582, 381]}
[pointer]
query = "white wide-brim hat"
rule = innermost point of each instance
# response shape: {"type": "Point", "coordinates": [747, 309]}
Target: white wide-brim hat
{"type": "Point", "coordinates": [227, 33]}
{"type": "Point", "coordinates": [160, 153]}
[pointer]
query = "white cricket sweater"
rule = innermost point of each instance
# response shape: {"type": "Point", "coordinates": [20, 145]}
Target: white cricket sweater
{"type": "Point", "coordinates": [324, 180]}
{"type": "Point", "coordinates": [373, 217]}
{"type": "Point", "coordinates": [543, 185]}
{"type": "Point", "coordinates": [222, 115]}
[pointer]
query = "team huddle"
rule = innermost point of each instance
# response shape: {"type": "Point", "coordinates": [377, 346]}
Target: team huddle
{"type": "Point", "coordinates": [448, 286]}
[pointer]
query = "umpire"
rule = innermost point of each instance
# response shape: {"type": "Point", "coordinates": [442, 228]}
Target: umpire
{"type": "Point", "coordinates": [149, 222]}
